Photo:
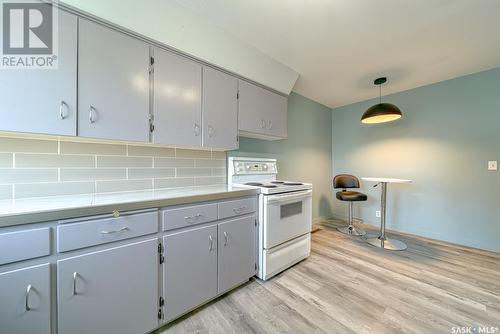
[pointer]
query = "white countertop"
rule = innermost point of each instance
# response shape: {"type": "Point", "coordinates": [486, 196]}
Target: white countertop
{"type": "Point", "coordinates": [385, 179]}
{"type": "Point", "coordinates": [25, 211]}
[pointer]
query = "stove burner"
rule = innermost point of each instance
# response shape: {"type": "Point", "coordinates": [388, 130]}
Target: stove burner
{"type": "Point", "coordinates": [292, 184]}
{"type": "Point", "coordinates": [269, 186]}
{"type": "Point", "coordinates": [258, 184]}
{"type": "Point", "coordinates": [277, 182]}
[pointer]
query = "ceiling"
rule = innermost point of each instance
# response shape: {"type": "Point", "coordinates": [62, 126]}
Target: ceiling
{"type": "Point", "coordinates": [339, 46]}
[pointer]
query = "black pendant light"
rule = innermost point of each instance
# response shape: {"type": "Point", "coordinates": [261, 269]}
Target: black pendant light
{"type": "Point", "coordinates": [381, 112]}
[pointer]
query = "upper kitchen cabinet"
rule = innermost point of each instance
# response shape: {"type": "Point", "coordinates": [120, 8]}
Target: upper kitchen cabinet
{"type": "Point", "coordinates": [177, 100]}
{"type": "Point", "coordinates": [220, 110]}
{"type": "Point", "coordinates": [43, 100]}
{"type": "Point", "coordinates": [262, 113]}
{"type": "Point", "coordinates": [113, 84]}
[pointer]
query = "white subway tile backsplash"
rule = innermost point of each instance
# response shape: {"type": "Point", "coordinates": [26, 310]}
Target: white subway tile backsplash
{"type": "Point", "coordinates": [218, 172]}
{"type": "Point", "coordinates": [219, 155]}
{"type": "Point", "coordinates": [123, 185]}
{"type": "Point", "coordinates": [204, 181]}
{"type": "Point", "coordinates": [172, 162]}
{"type": "Point", "coordinates": [193, 154]}
{"type": "Point", "coordinates": [174, 182]}
{"type": "Point", "coordinates": [6, 160]}
{"type": "Point", "coordinates": [5, 191]}
{"type": "Point", "coordinates": [182, 172]}
{"type": "Point", "coordinates": [105, 161]}
{"type": "Point", "coordinates": [29, 160]}
{"type": "Point", "coordinates": [92, 174]}
{"type": "Point", "coordinates": [53, 189]}
{"type": "Point", "coordinates": [28, 175]}
{"type": "Point", "coordinates": [150, 173]}
{"type": "Point", "coordinates": [210, 163]}
{"type": "Point", "coordinates": [76, 147]}
{"type": "Point", "coordinates": [39, 167]}
{"type": "Point", "coordinates": [150, 151]}
{"type": "Point", "coordinates": [8, 144]}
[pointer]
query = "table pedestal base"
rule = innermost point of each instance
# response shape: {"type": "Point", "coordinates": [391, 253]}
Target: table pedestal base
{"type": "Point", "coordinates": [351, 230]}
{"type": "Point", "coordinates": [387, 243]}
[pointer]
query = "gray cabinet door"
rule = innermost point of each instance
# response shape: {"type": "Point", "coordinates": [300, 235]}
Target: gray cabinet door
{"type": "Point", "coordinates": [277, 119]}
{"type": "Point", "coordinates": [177, 100]}
{"type": "Point", "coordinates": [237, 252]}
{"type": "Point", "coordinates": [43, 100]}
{"type": "Point", "coordinates": [220, 110]}
{"type": "Point", "coordinates": [252, 109]}
{"type": "Point", "coordinates": [262, 113]}
{"type": "Point", "coordinates": [109, 291]}
{"type": "Point", "coordinates": [25, 300]}
{"type": "Point", "coordinates": [113, 84]}
{"type": "Point", "coordinates": [190, 270]}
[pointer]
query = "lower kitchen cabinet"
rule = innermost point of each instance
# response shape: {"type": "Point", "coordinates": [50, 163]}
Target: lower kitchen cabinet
{"type": "Point", "coordinates": [25, 300]}
{"type": "Point", "coordinates": [189, 270]}
{"type": "Point", "coordinates": [109, 291]}
{"type": "Point", "coordinates": [237, 252]}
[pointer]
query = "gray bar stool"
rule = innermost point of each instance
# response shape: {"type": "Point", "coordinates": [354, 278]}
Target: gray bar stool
{"type": "Point", "coordinates": [346, 181]}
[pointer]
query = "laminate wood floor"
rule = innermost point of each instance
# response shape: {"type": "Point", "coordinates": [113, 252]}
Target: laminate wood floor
{"type": "Point", "coordinates": [348, 286]}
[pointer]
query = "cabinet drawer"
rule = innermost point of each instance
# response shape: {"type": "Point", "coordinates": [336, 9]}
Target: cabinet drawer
{"type": "Point", "coordinates": [23, 245]}
{"type": "Point", "coordinates": [100, 231]}
{"type": "Point", "coordinates": [237, 207]}
{"type": "Point", "coordinates": [188, 216]}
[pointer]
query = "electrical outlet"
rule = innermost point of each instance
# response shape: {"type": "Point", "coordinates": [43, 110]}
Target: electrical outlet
{"type": "Point", "coordinates": [492, 165]}
{"type": "Point", "coordinates": [378, 214]}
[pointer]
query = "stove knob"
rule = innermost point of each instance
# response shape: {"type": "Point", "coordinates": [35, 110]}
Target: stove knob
{"type": "Point", "coordinates": [248, 167]}
{"type": "Point", "coordinates": [265, 166]}
{"type": "Point", "coordinates": [238, 169]}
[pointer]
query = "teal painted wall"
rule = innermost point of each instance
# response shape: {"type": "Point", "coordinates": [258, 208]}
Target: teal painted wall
{"type": "Point", "coordinates": [448, 132]}
{"type": "Point", "coordinates": [306, 154]}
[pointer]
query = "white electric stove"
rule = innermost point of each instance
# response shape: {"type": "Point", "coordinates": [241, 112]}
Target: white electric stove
{"type": "Point", "coordinates": [285, 213]}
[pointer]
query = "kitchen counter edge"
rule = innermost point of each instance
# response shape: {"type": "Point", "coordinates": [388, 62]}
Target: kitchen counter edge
{"type": "Point", "coordinates": [99, 209]}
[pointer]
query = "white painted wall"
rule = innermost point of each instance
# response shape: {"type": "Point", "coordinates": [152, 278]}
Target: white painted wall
{"type": "Point", "coordinates": [176, 26]}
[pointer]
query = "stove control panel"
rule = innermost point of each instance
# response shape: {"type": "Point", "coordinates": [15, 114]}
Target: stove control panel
{"type": "Point", "coordinates": [254, 167]}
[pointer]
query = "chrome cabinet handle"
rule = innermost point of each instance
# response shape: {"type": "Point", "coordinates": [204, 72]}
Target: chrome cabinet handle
{"type": "Point", "coordinates": [62, 106]}
{"type": "Point", "coordinates": [75, 275]}
{"type": "Point", "coordinates": [240, 209]}
{"type": "Point", "coordinates": [91, 114]}
{"type": "Point", "coordinates": [226, 239]}
{"type": "Point", "coordinates": [27, 298]}
{"type": "Point", "coordinates": [115, 231]}
{"type": "Point", "coordinates": [196, 129]}
{"type": "Point", "coordinates": [211, 131]}
{"type": "Point", "coordinates": [195, 217]}
{"type": "Point", "coordinates": [210, 248]}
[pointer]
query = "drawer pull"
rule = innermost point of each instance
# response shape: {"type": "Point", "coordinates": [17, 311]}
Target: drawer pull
{"type": "Point", "coordinates": [195, 217]}
{"type": "Point", "coordinates": [27, 299]}
{"type": "Point", "coordinates": [116, 213]}
{"type": "Point", "coordinates": [211, 240]}
{"type": "Point", "coordinates": [75, 275]}
{"type": "Point", "coordinates": [240, 209]}
{"type": "Point", "coordinates": [115, 231]}
{"type": "Point", "coordinates": [226, 239]}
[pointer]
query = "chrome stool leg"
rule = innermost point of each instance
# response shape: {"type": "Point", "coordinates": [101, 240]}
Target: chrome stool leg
{"type": "Point", "coordinates": [351, 229]}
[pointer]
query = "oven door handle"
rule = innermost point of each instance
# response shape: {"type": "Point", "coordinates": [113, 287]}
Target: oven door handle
{"type": "Point", "coordinates": [290, 197]}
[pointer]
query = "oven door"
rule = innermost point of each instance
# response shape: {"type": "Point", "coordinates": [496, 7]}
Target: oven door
{"type": "Point", "coordinates": [286, 216]}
